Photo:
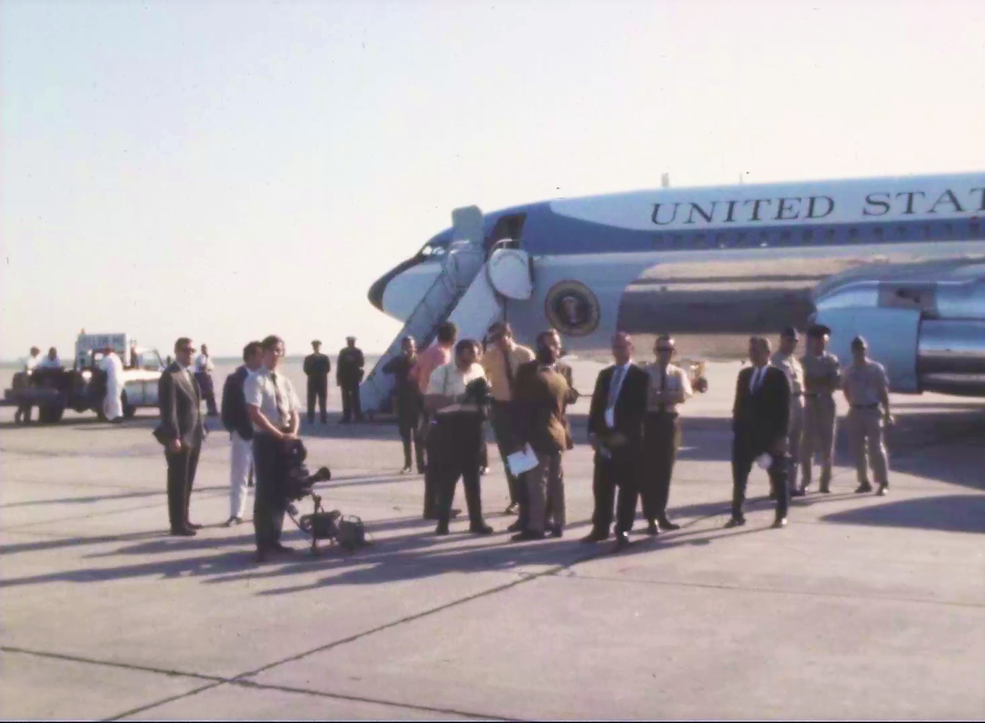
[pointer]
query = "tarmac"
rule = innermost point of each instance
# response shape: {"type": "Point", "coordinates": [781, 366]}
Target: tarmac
{"type": "Point", "coordinates": [864, 607]}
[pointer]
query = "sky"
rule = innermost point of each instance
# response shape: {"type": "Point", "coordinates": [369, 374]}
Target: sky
{"type": "Point", "coordinates": [227, 170]}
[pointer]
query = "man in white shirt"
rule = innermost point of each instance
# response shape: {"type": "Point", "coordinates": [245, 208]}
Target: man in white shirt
{"type": "Point", "coordinates": [274, 409]}
{"type": "Point", "coordinates": [203, 375]}
{"type": "Point", "coordinates": [786, 361]}
{"type": "Point", "coordinates": [669, 388]}
{"type": "Point", "coordinates": [23, 413]}
{"type": "Point", "coordinates": [112, 366]}
{"type": "Point", "coordinates": [457, 424]}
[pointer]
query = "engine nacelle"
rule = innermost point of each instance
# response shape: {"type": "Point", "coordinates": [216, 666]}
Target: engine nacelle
{"type": "Point", "coordinates": [928, 332]}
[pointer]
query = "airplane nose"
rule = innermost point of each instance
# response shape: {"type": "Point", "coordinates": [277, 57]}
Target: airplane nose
{"type": "Point", "coordinates": [377, 289]}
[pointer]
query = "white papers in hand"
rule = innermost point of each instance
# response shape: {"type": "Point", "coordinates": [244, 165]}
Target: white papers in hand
{"type": "Point", "coordinates": [523, 461]}
{"type": "Point", "coordinates": [764, 460]}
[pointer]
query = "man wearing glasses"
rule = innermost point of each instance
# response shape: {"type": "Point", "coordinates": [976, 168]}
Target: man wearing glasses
{"type": "Point", "coordinates": [273, 407]}
{"type": "Point", "coordinates": [181, 432]}
{"type": "Point", "coordinates": [669, 388]}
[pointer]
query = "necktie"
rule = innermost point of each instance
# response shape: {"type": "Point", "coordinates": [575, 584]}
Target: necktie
{"type": "Point", "coordinates": [663, 388]}
{"type": "Point", "coordinates": [614, 387]}
{"type": "Point", "coordinates": [278, 400]}
{"type": "Point", "coordinates": [756, 379]}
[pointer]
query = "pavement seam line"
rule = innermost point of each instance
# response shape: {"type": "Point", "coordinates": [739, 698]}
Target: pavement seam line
{"type": "Point", "coordinates": [110, 664]}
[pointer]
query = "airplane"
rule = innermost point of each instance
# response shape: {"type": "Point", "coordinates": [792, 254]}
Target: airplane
{"type": "Point", "coordinates": [898, 260]}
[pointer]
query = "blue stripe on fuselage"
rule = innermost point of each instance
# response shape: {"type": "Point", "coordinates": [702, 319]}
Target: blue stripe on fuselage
{"type": "Point", "coordinates": [547, 233]}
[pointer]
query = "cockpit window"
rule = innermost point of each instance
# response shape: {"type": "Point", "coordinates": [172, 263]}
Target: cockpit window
{"type": "Point", "coordinates": [432, 251]}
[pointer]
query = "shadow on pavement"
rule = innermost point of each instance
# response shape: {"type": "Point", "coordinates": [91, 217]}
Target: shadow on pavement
{"type": "Point", "coordinates": [950, 513]}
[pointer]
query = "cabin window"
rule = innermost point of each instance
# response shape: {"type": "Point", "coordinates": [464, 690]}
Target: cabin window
{"type": "Point", "coordinates": [974, 228]}
{"type": "Point", "coordinates": [720, 241]}
{"type": "Point", "coordinates": [949, 230]}
{"type": "Point", "coordinates": [853, 233]}
{"type": "Point", "coordinates": [785, 236]}
{"type": "Point", "coordinates": [928, 232]}
{"type": "Point", "coordinates": [830, 233]}
{"type": "Point", "coordinates": [808, 234]}
{"type": "Point", "coordinates": [878, 231]}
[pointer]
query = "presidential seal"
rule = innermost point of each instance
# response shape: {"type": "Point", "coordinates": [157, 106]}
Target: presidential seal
{"type": "Point", "coordinates": [572, 308]}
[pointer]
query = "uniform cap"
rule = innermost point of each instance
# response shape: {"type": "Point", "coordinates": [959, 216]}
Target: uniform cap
{"type": "Point", "coordinates": [350, 338]}
{"type": "Point", "coordinates": [316, 342]}
{"type": "Point", "coordinates": [818, 330]}
{"type": "Point", "coordinates": [789, 333]}
{"type": "Point", "coordinates": [859, 341]}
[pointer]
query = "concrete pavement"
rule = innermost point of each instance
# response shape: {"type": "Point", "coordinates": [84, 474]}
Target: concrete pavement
{"type": "Point", "coordinates": [864, 607]}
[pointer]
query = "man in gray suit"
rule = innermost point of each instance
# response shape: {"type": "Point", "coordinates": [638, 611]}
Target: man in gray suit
{"type": "Point", "coordinates": [181, 432]}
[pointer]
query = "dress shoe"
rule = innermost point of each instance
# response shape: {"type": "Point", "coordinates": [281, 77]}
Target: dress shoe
{"type": "Point", "coordinates": [863, 488]}
{"type": "Point", "coordinates": [261, 556]}
{"type": "Point", "coordinates": [420, 470]}
{"type": "Point", "coordinates": [652, 530]}
{"type": "Point", "coordinates": [482, 529]}
{"type": "Point", "coordinates": [557, 531]}
{"type": "Point", "coordinates": [233, 521]}
{"type": "Point", "coordinates": [483, 471]}
{"type": "Point", "coordinates": [667, 525]}
{"type": "Point", "coordinates": [825, 489]}
{"type": "Point", "coordinates": [515, 527]}
{"type": "Point", "coordinates": [511, 509]}
{"type": "Point", "coordinates": [405, 470]}
{"type": "Point", "coordinates": [797, 492]}
{"type": "Point", "coordinates": [883, 490]}
{"type": "Point", "coordinates": [193, 526]}
{"type": "Point", "coordinates": [779, 523]}
{"type": "Point", "coordinates": [184, 532]}
{"type": "Point", "coordinates": [527, 535]}
{"type": "Point", "coordinates": [441, 530]}
{"type": "Point", "coordinates": [622, 541]}
{"type": "Point", "coordinates": [595, 536]}
{"type": "Point", "coordinates": [735, 522]}
{"type": "Point", "coordinates": [284, 549]}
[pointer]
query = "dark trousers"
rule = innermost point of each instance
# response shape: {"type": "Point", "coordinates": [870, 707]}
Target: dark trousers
{"type": "Point", "coordinates": [619, 471]}
{"type": "Point", "coordinates": [409, 424]}
{"type": "Point", "coordinates": [432, 490]}
{"type": "Point", "coordinates": [350, 402]}
{"type": "Point", "coordinates": [502, 430]}
{"type": "Point", "coordinates": [744, 454]}
{"type": "Point", "coordinates": [483, 447]}
{"type": "Point", "coordinates": [660, 434]}
{"type": "Point", "coordinates": [269, 503]}
{"type": "Point", "coordinates": [317, 390]}
{"type": "Point", "coordinates": [456, 454]}
{"type": "Point", "coordinates": [181, 477]}
{"type": "Point", "coordinates": [23, 413]}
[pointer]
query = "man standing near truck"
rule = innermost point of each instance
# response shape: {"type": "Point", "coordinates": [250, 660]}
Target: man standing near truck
{"type": "Point", "coordinates": [112, 365]}
{"type": "Point", "coordinates": [23, 413]}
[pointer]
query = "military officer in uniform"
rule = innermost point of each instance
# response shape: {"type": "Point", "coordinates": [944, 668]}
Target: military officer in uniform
{"type": "Point", "coordinates": [316, 368]}
{"type": "Point", "coordinates": [348, 374]}
{"type": "Point", "coordinates": [784, 359]}
{"type": "Point", "coordinates": [866, 388]}
{"type": "Point", "coordinates": [822, 376]}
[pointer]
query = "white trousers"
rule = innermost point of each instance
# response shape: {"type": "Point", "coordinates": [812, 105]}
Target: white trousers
{"type": "Point", "coordinates": [113, 403]}
{"type": "Point", "coordinates": [240, 467]}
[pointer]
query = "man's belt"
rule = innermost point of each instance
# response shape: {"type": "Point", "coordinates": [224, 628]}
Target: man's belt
{"type": "Point", "coordinates": [864, 406]}
{"type": "Point", "coordinates": [796, 394]}
{"type": "Point", "coordinates": [814, 395]}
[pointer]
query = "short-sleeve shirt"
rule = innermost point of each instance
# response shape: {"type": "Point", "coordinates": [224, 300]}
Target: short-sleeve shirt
{"type": "Point", "coordinates": [865, 384]}
{"type": "Point", "coordinates": [274, 394]}
{"type": "Point", "coordinates": [791, 366]}
{"type": "Point", "coordinates": [494, 362]}
{"type": "Point", "coordinates": [677, 381]}
{"type": "Point", "coordinates": [822, 374]}
{"type": "Point", "coordinates": [427, 361]}
{"type": "Point", "coordinates": [450, 381]}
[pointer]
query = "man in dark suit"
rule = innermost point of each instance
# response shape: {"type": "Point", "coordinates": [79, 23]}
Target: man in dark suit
{"type": "Point", "coordinates": [181, 432]}
{"type": "Point", "coordinates": [615, 430]}
{"type": "Point", "coordinates": [760, 422]}
{"type": "Point", "coordinates": [316, 368]}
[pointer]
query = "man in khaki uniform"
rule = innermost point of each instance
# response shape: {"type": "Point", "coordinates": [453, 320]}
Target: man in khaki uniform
{"type": "Point", "coordinates": [785, 360]}
{"type": "Point", "coordinates": [866, 388]}
{"type": "Point", "coordinates": [822, 376]}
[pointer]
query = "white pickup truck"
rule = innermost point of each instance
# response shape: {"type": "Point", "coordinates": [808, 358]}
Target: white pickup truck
{"type": "Point", "coordinates": [83, 387]}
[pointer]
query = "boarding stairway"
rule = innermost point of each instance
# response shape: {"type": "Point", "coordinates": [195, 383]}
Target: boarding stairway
{"type": "Point", "coordinates": [470, 291]}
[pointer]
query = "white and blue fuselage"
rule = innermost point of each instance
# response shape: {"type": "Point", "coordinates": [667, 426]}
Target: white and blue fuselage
{"type": "Point", "coordinates": [737, 260]}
